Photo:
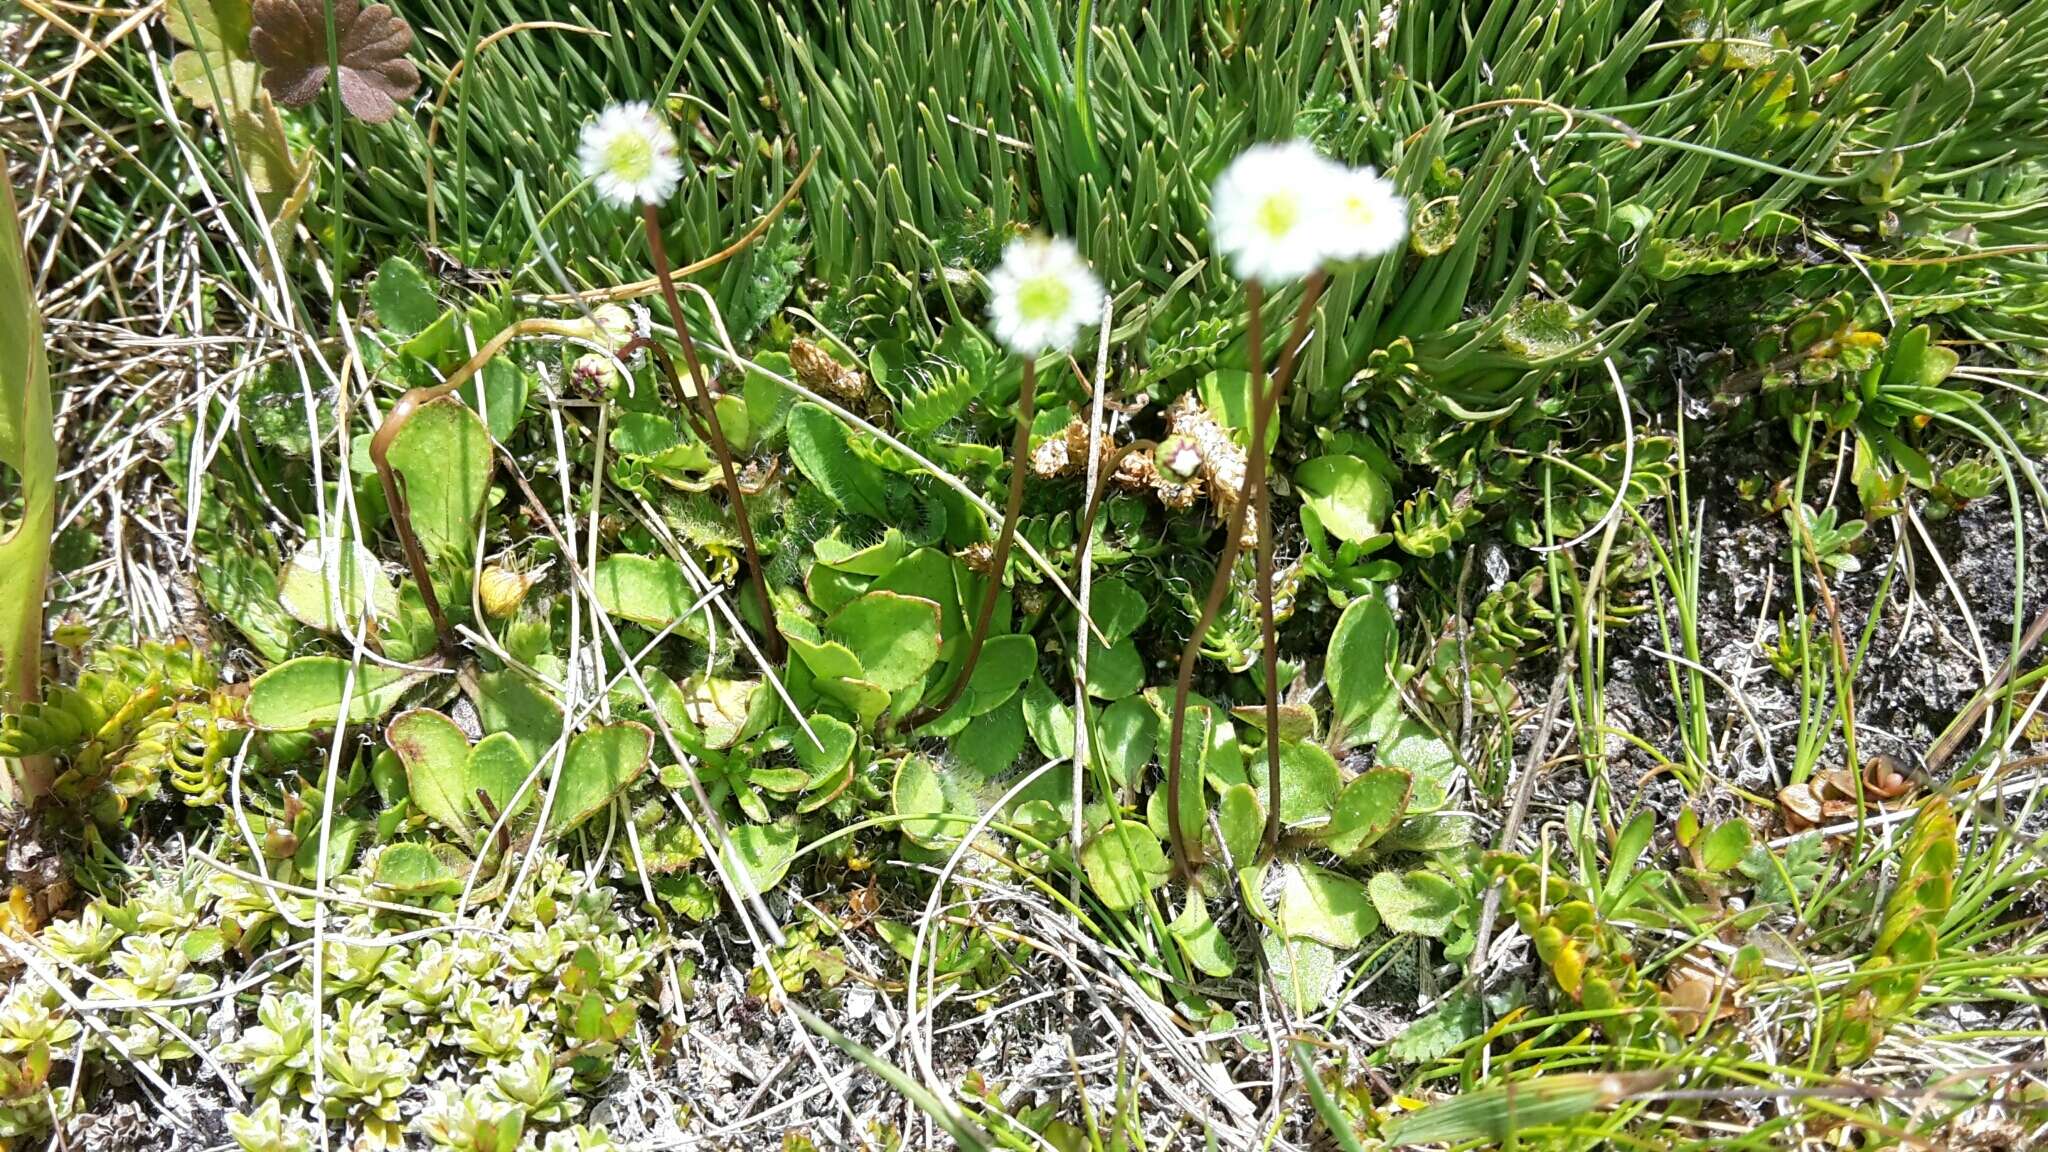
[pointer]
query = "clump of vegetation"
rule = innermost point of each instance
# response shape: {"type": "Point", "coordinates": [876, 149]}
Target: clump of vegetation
{"type": "Point", "coordinates": [594, 562]}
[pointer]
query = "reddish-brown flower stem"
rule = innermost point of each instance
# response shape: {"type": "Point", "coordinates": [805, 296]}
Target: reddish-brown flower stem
{"type": "Point", "coordinates": [1255, 478]}
{"type": "Point", "coordinates": [1233, 528]}
{"type": "Point", "coordinates": [1264, 402]}
{"type": "Point", "coordinates": [708, 411]}
{"type": "Point", "coordinates": [394, 422]}
{"type": "Point", "coordinates": [999, 560]}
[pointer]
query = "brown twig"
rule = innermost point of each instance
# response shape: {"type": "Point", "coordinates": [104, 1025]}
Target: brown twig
{"type": "Point", "coordinates": [999, 560]}
{"type": "Point", "coordinates": [650, 216]}
{"type": "Point", "coordinates": [1952, 737]}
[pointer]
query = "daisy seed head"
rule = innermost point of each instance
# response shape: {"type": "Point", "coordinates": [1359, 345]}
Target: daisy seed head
{"type": "Point", "coordinates": [1042, 295]}
{"type": "Point", "coordinates": [630, 156]}
{"type": "Point", "coordinates": [1270, 212]}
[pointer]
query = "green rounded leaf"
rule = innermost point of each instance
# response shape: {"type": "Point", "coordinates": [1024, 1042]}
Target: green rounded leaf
{"type": "Point", "coordinates": [411, 869]}
{"type": "Point", "coordinates": [1124, 862]}
{"type": "Point", "coordinates": [1368, 808]}
{"type": "Point", "coordinates": [647, 590]}
{"type": "Point", "coordinates": [761, 857]}
{"type": "Point", "coordinates": [1125, 735]}
{"type": "Point", "coordinates": [1309, 782]}
{"type": "Point", "coordinates": [1419, 902]}
{"type": "Point", "coordinates": [1319, 904]}
{"type": "Point", "coordinates": [1200, 941]}
{"type": "Point", "coordinates": [498, 766]}
{"type": "Point", "coordinates": [600, 763]}
{"type": "Point", "coordinates": [1361, 682]}
{"type": "Point", "coordinates": [989, 744]}
{"type": "Point", "coordinates": [307, 693]}
{"type": "Point", "coordinates": [918, 793]}
{"type": "Point", "coordinates": [401, 294]}
{"type": "Point", "coordinates": [1349, 497]}
{"type": "Point", "coordinates": [444, 453]}
{"type": "Point", "coordinates": [895, 637]}
{"type": "Point", "coordinates": [1243, 820]}
{"type": "Point", "coordinates": [436, 757]}
{"type": "Point", "coordinates": [832, 749]}
{"type": "Point", "coordinates": [507, 701]}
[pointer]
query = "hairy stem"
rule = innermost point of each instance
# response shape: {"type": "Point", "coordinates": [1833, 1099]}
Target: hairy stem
{"type": "Point", "coordinates": [999, 560]}
{"type": "Point", "coordinates": [709, 413]}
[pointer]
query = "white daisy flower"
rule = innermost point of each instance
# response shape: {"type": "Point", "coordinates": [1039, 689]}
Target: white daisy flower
{"type": "Point", "coordinates": [630, 155]}
{"type": "Point", "coordinates": [1370, 217]}
{"type": "Point", "coordinates": [1042, 295]}
{"type": "Point", "coordinates": [1271, 210]}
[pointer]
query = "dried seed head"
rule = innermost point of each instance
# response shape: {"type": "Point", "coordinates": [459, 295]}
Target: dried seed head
{"type": "Point", "coordinates": [816, 369]}
{"type": "Point", "coordinates": [979, 557]}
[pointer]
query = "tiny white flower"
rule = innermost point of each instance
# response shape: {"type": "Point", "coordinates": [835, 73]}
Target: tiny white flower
{"type": "Point", "coordinates": [1370, 217]}
{"type": "Point", "coordinates": [1042, 295]}
{"type": "Point", "coordinates": [1271, 210]}
{"type": "Point", "coordinates": [630, 155]}
{"type": "Point", "coordinates": [1180, 456]}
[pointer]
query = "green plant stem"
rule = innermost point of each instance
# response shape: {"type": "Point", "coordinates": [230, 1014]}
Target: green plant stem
{"type": "Point", "coordinates": [658, 250]}
{"type": "Point", "coordinates": [999, 560]}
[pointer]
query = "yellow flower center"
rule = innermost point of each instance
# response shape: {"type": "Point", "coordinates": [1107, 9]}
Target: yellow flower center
{"type": "Point", "coordinates": [1277, 215]}
{"type": "Point", "coordinates": [1043, 298]}
{"type": "Point", "coordinates": [629, 156]}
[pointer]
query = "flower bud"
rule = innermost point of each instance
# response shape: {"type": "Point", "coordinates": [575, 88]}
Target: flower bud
{"type": "Point", "coordinates": [280, 843]}
{"type": "Point", "coordinates": [618, 326]}
{"type": "Point", "coordinates": [593, 373]}
{"type": "Point", "coordinates": [502, 590]}
{"type": "Point", "coordinates": [1179, 456]}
